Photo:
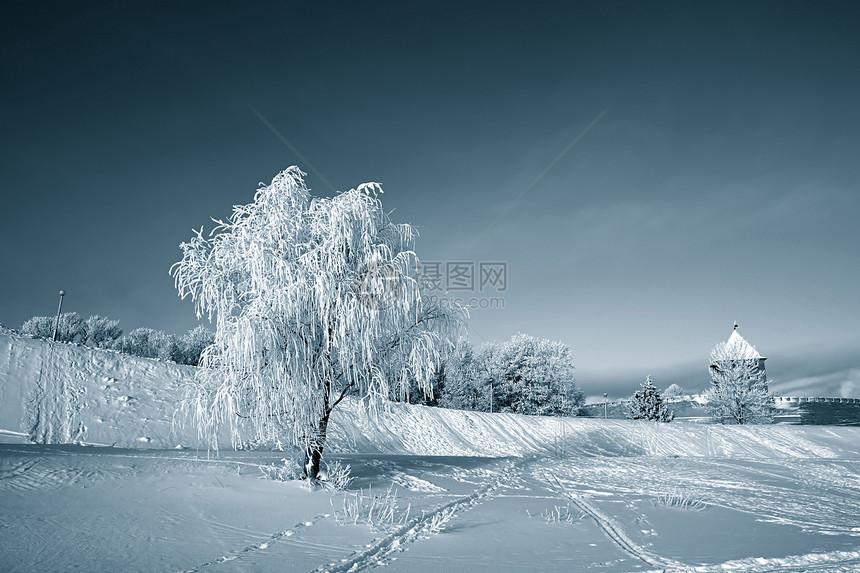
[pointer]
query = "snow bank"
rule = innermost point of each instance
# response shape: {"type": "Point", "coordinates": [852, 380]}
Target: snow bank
{"type": "Point", "coordinates": [64, 393]}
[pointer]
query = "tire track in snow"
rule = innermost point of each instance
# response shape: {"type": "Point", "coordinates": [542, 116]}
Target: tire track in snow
{"type": "Point", "coordinates": [612, 529]}
{"type": "Point", "coordinates": [33, 475]}
{"type": "Point", "coordinates": [415, 528]}
{"type": "Point", "coordinates": [833, 562]}
{"type": "Point", "coordinates": [17, 469]}
{"type": "Point", "coordinates": [258, 546]}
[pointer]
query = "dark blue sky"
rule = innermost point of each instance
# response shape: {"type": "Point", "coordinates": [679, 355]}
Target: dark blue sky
{"type": "Point", "coordinates": [720, 182]}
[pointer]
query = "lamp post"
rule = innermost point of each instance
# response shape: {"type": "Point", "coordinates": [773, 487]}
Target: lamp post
{"type": "Point", "coordinates": [604, 404]}
{"type": "Point", "coordinates": [59, 310]}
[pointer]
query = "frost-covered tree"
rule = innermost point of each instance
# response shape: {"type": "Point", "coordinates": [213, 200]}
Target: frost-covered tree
{"type": "Point", "coordinates": [647, 404]}
{"type": "Point", "coordinates": [533, 376]}
{"type": "Point", "coordinates": [100, 331]}
{"type": "Point", "coordinates": [463, 387]}
{"type": "Point", "coordinates": [71, 327]}
{"type": "Point", "coordinates": [525, 375]}
{"type": "Point", "coordinates": [673, 391]}
{"type": "Point", "coordinates": [314, 299]}
{"type": "Point", "coordinates": [411, 391]}
{"type": "Point", "coordinates": [739, 392]}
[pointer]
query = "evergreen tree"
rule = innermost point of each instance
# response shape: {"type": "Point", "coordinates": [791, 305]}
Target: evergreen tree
{"type": "Point", "coordinates": [648, 405]}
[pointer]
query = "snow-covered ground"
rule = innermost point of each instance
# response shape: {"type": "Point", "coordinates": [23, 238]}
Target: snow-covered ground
{"type": "Point", "coordinates": [474, 491]}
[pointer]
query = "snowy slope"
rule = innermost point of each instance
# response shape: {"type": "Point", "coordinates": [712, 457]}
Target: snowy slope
{"type": "Point", "coordinates": [63, 393]}
{"type": "Point", "coordinates": [435, 431]}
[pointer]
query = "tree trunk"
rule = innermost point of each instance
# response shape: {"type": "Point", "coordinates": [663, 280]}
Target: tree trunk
{"type": "Point", "coordinates": [314, 451]}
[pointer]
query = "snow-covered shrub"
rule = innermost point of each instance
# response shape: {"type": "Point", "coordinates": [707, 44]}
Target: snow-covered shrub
{"type": "Point", "coordinates": [336, 475]}
{"type": "Point", "coordinates": [381, 511]}
{"type": "Point", "coordinates": [101, 331]}
{"type": "Point", "coordinates": [39, 327]}
{"type": "Point", "coordinates": [739, 392]}
{"type": "Point", "coordinates": [71, 327]}
{"type": "Point", "coordinates": [314, 298]}
{"type": "Point", "coordinates": [646, 404]}
{"type": "Point", "coordinates": [192, 344]}
{"type": "Point", "coordinates": [288, 470]}
{"type": "Point", "coordinates": [682, 499]}
{"type": "Point", "coordinates": [147, 343]}
{"type": "Point", "coordinates": [439, 520]}
{"type": "Point", "coordinates": [561, 515]}
{"type": "Point", "coordinates": [673, 391]}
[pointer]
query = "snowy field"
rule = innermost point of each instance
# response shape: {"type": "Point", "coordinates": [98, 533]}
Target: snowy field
{"type": "Point", "coordinates": [433, 489]}
{"type": "Point", "coordinates": [596, 495]}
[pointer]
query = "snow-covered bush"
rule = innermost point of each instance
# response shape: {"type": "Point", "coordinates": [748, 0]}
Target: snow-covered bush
{"type": "Point", "coordinates": [39, 327]}
{"type": "Point", "coordinates": [646, 404]}
{"type": "Point", "coordinates": [739, 392]}
{"type": "Point", "coordinates": [336, 475]}
{"type": "Point", "coordinates": [71, 327]}
{"type": "Point", "coordinates": [673, 391]}
{"type": "Point", "coordinates": [314, 298]}
{"type": "Point", "coordinates": [561, 515]}
{"type": "Point", "coordinates": [100, 331]}
{"type": "Point", "coordinates": [288, 470]}
{"type": "Point", "coordinates": [380, 511]}
{"type": "Point", "coordinates": [147, 343]}
{"type": "Point", "coordinates": [682, 499]}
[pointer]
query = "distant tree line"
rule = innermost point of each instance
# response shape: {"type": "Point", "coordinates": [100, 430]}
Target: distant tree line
{"type": "Point", "coordinates": [525, 375]}
{"type": "Point", "coordinates": [102, 332]}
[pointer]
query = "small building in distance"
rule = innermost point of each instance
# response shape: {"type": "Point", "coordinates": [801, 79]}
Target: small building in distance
{"type": "Point", "coordinates": [737, 349]}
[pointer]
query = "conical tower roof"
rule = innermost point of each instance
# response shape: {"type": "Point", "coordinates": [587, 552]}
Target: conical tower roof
{"type": "Point", "coordinates": [740, 348]}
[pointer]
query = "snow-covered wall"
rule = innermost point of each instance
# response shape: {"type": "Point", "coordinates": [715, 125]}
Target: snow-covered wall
{"type": "Point", "coordinates": [789, 410]}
